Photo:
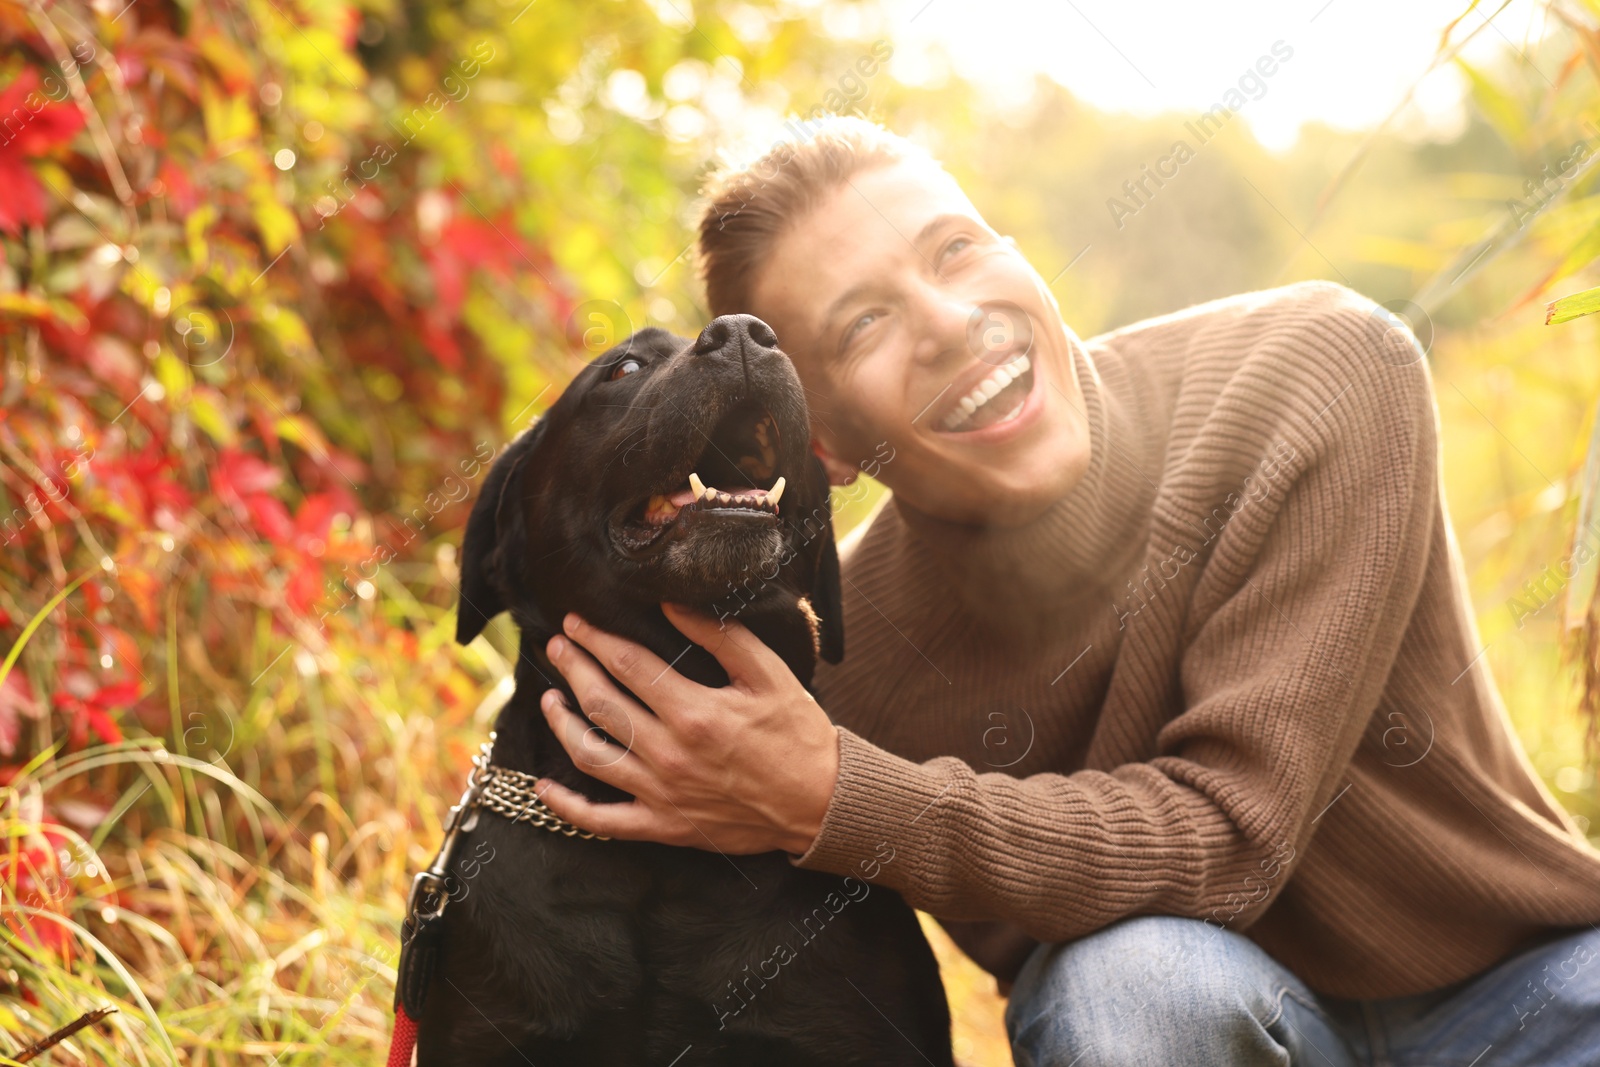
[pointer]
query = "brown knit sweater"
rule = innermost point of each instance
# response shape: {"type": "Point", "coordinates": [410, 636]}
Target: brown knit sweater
{"type": "Point", "coordinates": [1233, 675]}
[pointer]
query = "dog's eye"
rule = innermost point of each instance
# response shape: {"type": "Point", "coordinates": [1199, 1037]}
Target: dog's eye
{"type": "Point", "coordinates": [627, 366]}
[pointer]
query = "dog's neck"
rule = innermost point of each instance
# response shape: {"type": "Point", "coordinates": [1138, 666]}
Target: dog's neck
{"type": "Point", "coordinates": [524, 740]}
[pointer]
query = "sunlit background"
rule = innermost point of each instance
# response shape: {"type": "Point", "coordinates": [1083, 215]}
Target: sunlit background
{"type": "Point", "coordinates": [275, 275]}
{"type": "Point", "coordinates": [1355, 61]}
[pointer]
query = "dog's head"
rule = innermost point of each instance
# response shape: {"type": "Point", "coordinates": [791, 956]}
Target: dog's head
{"type": "Point", "coordinates": [670, 470]}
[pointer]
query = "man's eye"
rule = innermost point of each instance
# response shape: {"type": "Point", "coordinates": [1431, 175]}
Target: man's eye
{"type": "Point", "coordinates": [627, 366]}
{"type": "Point", "coordinates": [955, 246]}
{"type": "Point", "coordinates": [860, 324]}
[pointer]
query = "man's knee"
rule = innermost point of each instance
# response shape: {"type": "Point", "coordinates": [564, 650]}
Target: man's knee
{"type": "Point", "coordinates": [1145, 991]}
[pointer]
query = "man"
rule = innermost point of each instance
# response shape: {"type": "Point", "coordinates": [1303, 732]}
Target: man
{"type": "Point", "coordinates": [1163, 684]}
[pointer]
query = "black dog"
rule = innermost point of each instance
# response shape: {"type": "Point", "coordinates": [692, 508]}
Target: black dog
{"type": "Point", "coordinates": [561, 951]}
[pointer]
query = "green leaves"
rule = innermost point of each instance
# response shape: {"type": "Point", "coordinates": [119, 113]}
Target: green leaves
{"type": "Point", "coordinates": [1575, 306]}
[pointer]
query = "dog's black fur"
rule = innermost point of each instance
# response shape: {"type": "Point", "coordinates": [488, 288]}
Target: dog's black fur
{"type": "Point", "coordinates": [561, 951]}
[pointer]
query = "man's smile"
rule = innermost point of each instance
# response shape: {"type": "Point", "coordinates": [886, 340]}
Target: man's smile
{"type": "Point", "coordinates": [997, 398]}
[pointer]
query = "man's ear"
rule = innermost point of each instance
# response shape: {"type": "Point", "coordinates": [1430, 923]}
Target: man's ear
{"type": "Point", "coordinates": [836, 470]}
{"type": "Point", "coordinates": [495, 528]}
{"type": "Point", "coordinates": [827, 596]}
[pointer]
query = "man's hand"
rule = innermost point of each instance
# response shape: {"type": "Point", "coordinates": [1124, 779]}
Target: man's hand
{"type": "Point", "coordinates": [743, 769]}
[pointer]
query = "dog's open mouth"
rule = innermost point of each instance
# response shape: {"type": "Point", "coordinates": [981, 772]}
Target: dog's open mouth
{"type": "Point", "coordinates": [735, 479]}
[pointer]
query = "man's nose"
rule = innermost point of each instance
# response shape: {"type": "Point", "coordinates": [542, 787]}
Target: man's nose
{"type": "Point", "coordinates": [943, 327]}
{"type": "Point", "coordinates": [741, 337]}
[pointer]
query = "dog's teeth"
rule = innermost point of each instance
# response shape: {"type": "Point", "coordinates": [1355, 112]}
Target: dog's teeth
{"type": "Point", "coordinates": [697, 485]}
{"type": "Point", "coordinates": [967, 405]}
{"type": "Point", "coordinates": [1021, 366]}
{"type": "Point", "coordinates": [776, 491]}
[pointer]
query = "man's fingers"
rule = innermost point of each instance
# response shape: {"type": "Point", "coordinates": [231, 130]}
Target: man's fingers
{"type": "Point", "coordinates": [604, 705]}
{"type": "Point", "coordinates": [742, 654]}
{"type": "Point", "coordinates": [591, 752]}
{"type": "Point", "coordinates": [631, 821]}
{"type": "Point", "coordinates": [597, 694]}
{"type": "Point", "coordinates": [633, 665]}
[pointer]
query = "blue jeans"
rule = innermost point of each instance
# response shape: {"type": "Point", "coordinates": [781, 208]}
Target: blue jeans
{"type": "Point", "coordinates": [1160, 991]}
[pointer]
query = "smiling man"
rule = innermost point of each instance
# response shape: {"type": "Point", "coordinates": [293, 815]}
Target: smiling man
{"type": "Point", "coordinates": [1162, 681]}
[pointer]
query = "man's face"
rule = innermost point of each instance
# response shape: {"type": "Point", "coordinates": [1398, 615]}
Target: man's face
{"type": "Point", "coordinates": [912, 322]}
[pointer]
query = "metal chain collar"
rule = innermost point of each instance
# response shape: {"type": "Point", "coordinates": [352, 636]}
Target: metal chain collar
{"type": "Point", "coordinates": [507, 793]}
{"type": "Point", "coordinates": [511, 794]}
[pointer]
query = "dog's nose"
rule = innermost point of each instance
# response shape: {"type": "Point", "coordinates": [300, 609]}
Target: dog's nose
{"type": "Point", "coordinates": [742, 335]}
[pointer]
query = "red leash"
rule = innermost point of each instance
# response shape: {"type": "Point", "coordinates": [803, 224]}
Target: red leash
{"type": "Point", "coordinates": [403, 1045]}
{"type": "Point", "coordinates": [419, 934]}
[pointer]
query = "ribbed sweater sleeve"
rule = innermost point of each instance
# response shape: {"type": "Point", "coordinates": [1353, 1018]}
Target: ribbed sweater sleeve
{"type": "Point", "coordinates": [1292, 627]}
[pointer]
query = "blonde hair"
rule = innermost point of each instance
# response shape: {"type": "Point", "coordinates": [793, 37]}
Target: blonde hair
{"type": "Point", "coordinates": [749, 206]}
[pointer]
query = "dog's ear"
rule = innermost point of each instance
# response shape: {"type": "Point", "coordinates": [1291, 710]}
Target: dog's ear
{"type": "Point", "coordinates": [827, 601]}
{"type": "Point", "coordinates": [495, 527]}
{"type": "Point", "coordinates": [827, 596]}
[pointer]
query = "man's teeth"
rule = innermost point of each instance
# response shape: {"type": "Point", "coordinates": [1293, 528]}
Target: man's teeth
{"type": "Point", "coordinates": [710, 494]}
{"type": "Point", "coordinates": [986, 391]}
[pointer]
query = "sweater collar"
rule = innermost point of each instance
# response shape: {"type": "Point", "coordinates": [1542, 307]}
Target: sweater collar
{"type": "Point", "coordinates": [1086, 541]}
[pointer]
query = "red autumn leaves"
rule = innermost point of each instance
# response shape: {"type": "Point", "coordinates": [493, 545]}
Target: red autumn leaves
{"type": "Point", "coordinates": [245, 484]}
{"type": "Point", "coordinates": [31, 124]}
